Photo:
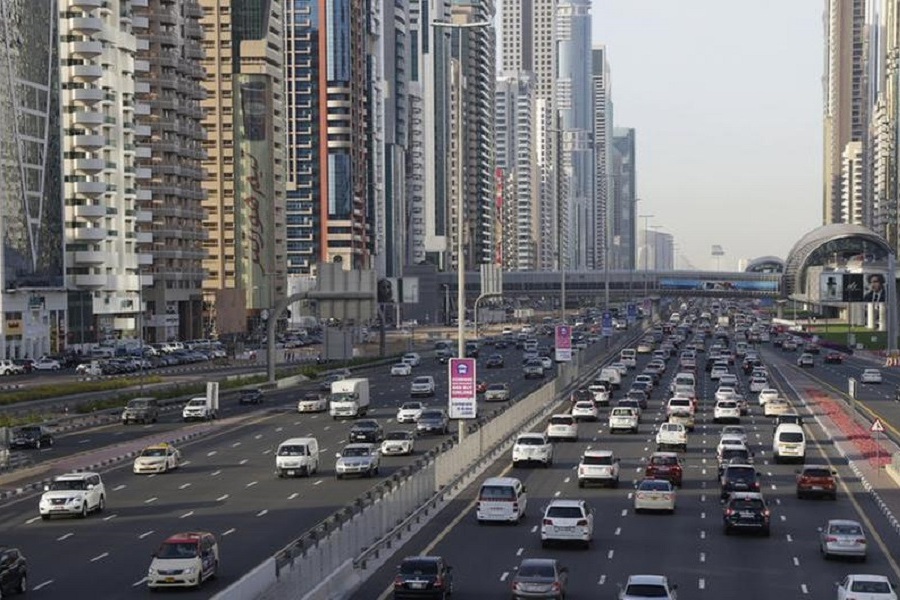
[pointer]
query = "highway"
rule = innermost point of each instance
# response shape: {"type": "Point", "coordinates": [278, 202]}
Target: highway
{"type": "Point", "coordinates": [689, 546]}
{"type": "Point", "coordinates": [227, 487]}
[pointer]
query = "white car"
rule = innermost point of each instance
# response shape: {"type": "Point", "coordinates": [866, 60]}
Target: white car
{"type": "Point", "coordinates": [728, 380]}
{"type": "Point", "coordinates": [412, 359]}
{"type": "Point", "coordinates": [671, 435]}
{"type": "Point", "coordinates": [197, 409]}
{"type": "Point", "coordinates": [401, 370]}
{"type": "Point", "coordinates": [654, 494]}
{"type": "Point", "coordinates": [73, 494]}
{"type": "Point", "coordinates": [601, 466]}
{"type": "Point", "coordinates": [868, 375]}
{"type": "Point", "coordinates": [496, 392]}
{"type": "Point", "coordinates": [679, 404]}
{"type": "Point", "coordinates": [567, 521]}
{"type": "Point", "coordinates": [409, 412]}
{"type": "Point", "coordinates": [766, 395]}
{"type": "Point", "coordinates": [776, 407]}
{"type": "Point", "coordinates": [601, 393]}
{"type": "Point", "coordinates": [730, 440]}
{"type": "Point", "coordinates": [724, 392]}
{"type": "Point", "coordinates": [640, 587]}
{"type": "Point", "coordinates": [562, 427]}
{"type": "Point", "coordinates": [726, 410]}
{"type": "Point", "coordinates": [866, 587]}
{"type": "Point", "coordinates": [737, 431]}
{"type": "Point", "coordinates": [546, 362]}
{"type": "Point", "coordinates": [623, 418]}
{"type": "Point", "coordinates": [717, 372]}
{"type": "Point", "coordinates": [621, 367]}
{"type": "Point", "coordinates": [159, 458]}
{"type": "Point", "coordinates": [312, 402]}
{"type": "Point", "coordinates": [532, 448]}
{"type": "Point", "coordinates": [46, 364]}
{"type": "Point", "coordinates": [585, 411]}
{"type": "Point", "coordinates": [398, 443]}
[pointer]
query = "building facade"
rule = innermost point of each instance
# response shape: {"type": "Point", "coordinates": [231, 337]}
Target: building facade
{"type": "Point", "coordinates": [852, 174]}
{"type": "Point", "coordinates": [659, 250]}
{"type": "Point", "coordinates": [245, 162]}
{"type": "Point", "coordinates": [623, 246]}
{"type": "Point", "coordinates": [33, 300]}
{"type": "Point", "coordinates": [602, 141]}
{"type": "Point", "coordinates": [170, 200]}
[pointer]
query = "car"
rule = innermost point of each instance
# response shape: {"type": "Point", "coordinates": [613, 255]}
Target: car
{"type": "Point", "coordinates": [730, 440]}
{"type": "Point", "coordinates": [73, 494]}
{"type": "Point", "coordinates": [641, 587]}
{"type": "Point", "coordinates": [433, 420]}
{"type": "Point", "coordinates": [409, 412]}
{"type": "Point", "coordinates": [401, 369]}
{"type": "Point", "coordinates": [312, 402]}
{"type": "Point", "coordinates": [357, 459]}
{"type": "Point", "coordinates": [540, 578]}
{"type": "Point", "coordinates": [496, 392]}
{"type": "Point", "coordinates": [31, 436]}
{"type": "Point", "coordinates": [197, 409]}
{"type": "Point", "coordinates": [645, 379]}
{"type": "Point", "coordinates": [141, 410]}
{"type": "Point", "coordinates": [793, 418]}
{"type": "Point", "coordinates": [746, 511]}
{"type": "Point", "coordinates": [46, 364]}
{"type": "Point", "coordinates": [816, 480]}
{"type": "Point", "coordinates": [743, 405]}
{"type": "Point", "coordinates": [639, 396]}
{"type": "Point", "coordinates": [623, 418]}
{"type": "Point", "coordinates": [585, 411]}
{"type": "Point", "coordinates": [251, 396]}
{"type": "Point", "coordinates": [724, 392]}
{"type": "Point", "coordinates": [717, 371]}
{"type": "Point", "coordinates": [413, 359]}
{"type": "Point", "coordinates": [398, 442]}
{"type": "Point", "coordinates": [562, 427]}
{"type": "Point", "coordinates": [158, 458]}
{"type": "Point", "coordinates": [679, 404]}
{"type": "Point", "coordinates": [766, 395]}
{"type": "Point", "coordinates": [733, 455]}
{"type": "Point", "coordinates": [601, 466]}
{"type": "Point", "coordinates": [600, 392]}
{"type": "Point", "coordinates": [495, 361]}
{"type": "Point", "coordinates": [871, 376]}
{"type": "Point", "coordinates": [866, 587]}
{"type": "Point", "coordinates": [738, 478]}
{"type": "Point", "coordinates": [9, 367]}
{"type": "Point", "coordinates": [423, 577]}
{"type": "Point", "coordinates": [758, 384]}
{"type": "Point", "coordinates": [737, 431]}
{"type": "Point", "coordinates": [833, 358]}
{"type": "Point", "coordinates": [442, 355]}
{"type": "Point", "coordinates": [366, 430]}
{"type": "Point", "coordinates": [532, 447]}
{"type": "Point", "coordinates": [671, 435]}
{"type": "Point", "coordinates": [422, 385]}
{"type": "Point", "coordinates": [682, 417]}
{"type": "Point", "coordinates": [665, 465]}
{"type": "Point", "coordinates": [806, 360]}
{"type": "Point", "coordinates": [844, 538]}
{"type": "Point", "coordinates": [481, 387]}
{"type": "Point", "coordinates": [567, 521]}
{"type": "Point", "coordinates": [581, 395]}
{"type": "Point", "coordinates": [13, 571]}
{"type": "Point", "coordinates": [726, 410]}
{"type": "Point", "coordinates": [184, 560]}
{"type": "Point", "coordinates": [778, 406]}
{"type": "Point", "coordinates": [654, 494]}
{"type": "Point", "coordinates": [533, 369]}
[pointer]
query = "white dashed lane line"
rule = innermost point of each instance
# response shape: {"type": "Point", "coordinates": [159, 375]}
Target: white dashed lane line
{"type": "Point", "coordinates": [243, 462]}
{"type": "Point", "coordinates": [229, 532]}
{"type": "Point", "coordinates": [119, 488]}
{"type": "Point", "coordinates": [602, 580]}
{"type": "Point", "coordinates": [610, 554]}
{"type": "Point", "coordinates": [100, 557]}
{"type": "Point", "coordinates": [504, 576]}
{"type": "Point", "coordinates": [292, 496]}
{"type": "Point", "coordinates": [146, 534]}
{"type": "Point", "coordinates": [804, 589]}
{"type": "Point", "coordinates": [222, 498]}
{"type": "Point", "coordinates": [262, 513]}
{"type": "Point", "coordinates": [32, 520]}
{"type": "Point", "coordinates": [212, 453]}
{"type": "Point", "coordinates": [214, 473]}
{"type": "Point", "coordinates": [42, 585]}
{"type": "Point", "coordinates": [701, 584]}
{"type": "Point", "coordinates": [110, 517]}
{"type": "Point", "coordinates": [189, 513]}
{"type": "Point", "coordinates": [151, 500]}
{"type": "Point", "coordinates": [139, 582]}
{"type": "Point", "coordinates": [65, 536]}
{"type": "Point", "coordinates": [184, 486]}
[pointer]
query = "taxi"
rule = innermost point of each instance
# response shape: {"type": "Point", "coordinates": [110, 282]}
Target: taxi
{"type": "Point", "coordinates": [184, 560]}
{"type": "Point", "coordinates": [159, 458]}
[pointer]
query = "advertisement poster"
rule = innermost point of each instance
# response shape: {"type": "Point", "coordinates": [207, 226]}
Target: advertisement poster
{"type": "Point", "coordinates": [852, 287]}
{"type": "Point", "coordinates": [607, 324]}
{"type": "Point", "coordinates": [463, 392]}
{"type": "Point", "coordinates": [563, 343]}
{"type": "Point", "coordinates": [632, 313]}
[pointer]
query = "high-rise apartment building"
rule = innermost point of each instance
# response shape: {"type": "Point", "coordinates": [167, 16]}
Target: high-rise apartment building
{"type": "Point", "coordinates": [33, 301]}
{"type": "Point", "coordinates": [169, 201]}
{"type": "Point", "coordinates": [514, 119]}
{"type": "Point", "coordinates": [574, 101]}
{"type": "Point", "coordinates": [101, 141]}
{"type": "Point", "coordinates": [623, 247]}
{"type": "Point", "coordinates": [852, 174]}
{"type": "Point", "coordinates": [844, 83]}
{"type": "Point", "coordinates": [603, 128]}
{"type": "Point", "coordinates": [244, 119]}
{"type": "Point", "coordinates": [658, 248]}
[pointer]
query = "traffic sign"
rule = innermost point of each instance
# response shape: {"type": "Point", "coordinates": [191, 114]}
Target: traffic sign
{"type": "Point", "coordinates": [463, 391]}
{"type": "Point", "coordinates": [607, 324]}
{"type": "Point", "coordinates": [877, 426]}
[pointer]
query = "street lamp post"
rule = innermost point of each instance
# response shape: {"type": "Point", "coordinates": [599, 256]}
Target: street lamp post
{"type": "Point", "coordinates": [646, 247]}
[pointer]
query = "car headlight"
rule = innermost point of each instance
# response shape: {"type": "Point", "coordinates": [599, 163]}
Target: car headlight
{"type": "Point", "coordinates": [151, 572]}
{"type": "Point", "coordinates": [190, 570]}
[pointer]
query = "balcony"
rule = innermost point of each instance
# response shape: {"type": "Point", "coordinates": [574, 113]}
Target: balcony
{"type": "Point", "coordinates": [141, 110]}
{"type": "Point", "coordinates": [87, 26]}
{"type": "Point", "coordinates": [143, 152]}
{"type": "Point", "coordinates": [89, 166]}
{"type": "Point", "coordinates": [91, 189]}
{"type": "Point", "coordinates": [90, 281]}
{"type": "Point", "coordinates": [90, 234]}
{"type": "Point", "coordinates": [89, 142]}
{"type": "Point", "coordinates": [142, 131]}
{"type": "Point", "coordinates": [144, 195]}
{"type": "Point", "coordinates": [87, 118]}
{"type": "Point", "coordinates": [86, 73]}
{"type": "Point", "coordinates": [143, 173]}
{"type": "Point", "coordinates": [139, 3]}
{"type": "Point", "coordinates": [141, 87]}
{"type": "Point", "coordinates": [90, 211]}
{"type": "Point", "coordinates": [86, 49]}
{"type": "Point", "coordinates": [143, 216]}
{"type": "Point", "coordinates": [87, 96]}
{"type": "Point", "coordinates": [91, 257]}
{"type": "Point", "coordinates": [141, 66]}
{"type": "Point", "coordinates": [144, 237]}
{"type": "Point", "coordinates": [145, 260]}
{"type": "Point", "coordinates": [139, 22]}
{"type": "Point", "coordinates": [85, 5]}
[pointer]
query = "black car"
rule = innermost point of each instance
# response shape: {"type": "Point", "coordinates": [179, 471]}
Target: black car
{"type": "Point", "coordinates": [366, 430]}
{"type": "Point", "coordinates": [495, 361]}
{"type": "Point", "coordinates": [251, 396]}
{"type": "Point", "coordinates": [739, 478]}
{"type": "Point", "coordinates": [423, 577]}
{"type": "Point", "coordinates": [746, 511]}
{"type": "Point", "coordinates": [13, 571]}
{"type": "Point", "coordinates": [443, 355]}
{"type": "Point", "coordinates": [31, 436]}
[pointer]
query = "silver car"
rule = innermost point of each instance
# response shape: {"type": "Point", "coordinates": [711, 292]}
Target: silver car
{"type": "Point", "coordinates": [357, 459]}
{"type": "Point", "coordinates": [842, 537]}
{"type": "Point", "coordinates": [433, 420]}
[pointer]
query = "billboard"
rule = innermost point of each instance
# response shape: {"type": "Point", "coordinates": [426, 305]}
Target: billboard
{"type": "Point", "coordinates": [463, 392]}
{"type": "Point", "coordinates": [607, 323]}
{"type": "Point", "coordinates": [852, 287]}
{"type": "Point", "coordinates": [563, 343]}
{"type": "Point", "coordinates": [632, 313]}
{"type": "Point", "coordinates": [713, 285]}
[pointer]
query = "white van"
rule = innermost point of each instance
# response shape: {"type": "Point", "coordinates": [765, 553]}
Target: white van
{"type": "Point", "coordinates": [628, 357]}
{"type": "Point", "coordinates": [612, 375]}
{"type": "Point", "coordinates": [683, 378]}
{"type": "Point", "coordinates": [789, 443]}
{"type": "Point", "coordinates": [501, 499]}
{"type": "Point", "coordinates": [297, 456]}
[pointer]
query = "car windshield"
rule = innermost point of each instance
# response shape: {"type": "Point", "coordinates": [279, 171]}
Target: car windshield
{"type": "Point", "coordinates": [562, 421]}
{"type": "Point", "coordinates": [398, 435]}
{"type": "Point", "coordinates": [154, 452]}
{"type": "Point", "coordinates": [197, 402]}
{"type": "Point", "coordinates": [497, 492]}
{"type": "Point", "coordinates": [68, 484]}
{"type": "Point", "coordinates": [421, 380]}
{"type": "Point", "coordinates": [411, 406]}
{"type": "Point", "coordinates": [401, 366]}
{"type": "Point", "coordinates": [741, 473]}
{"type": "Point", "coordinates": [138, 404]}
{"type": "Point", "coordinates": [584, 405]}
{"type": "Point", "coordinates": [622, 412]}
{"type": "Point", "coordinates": [646, 590]}
{"type": "Point", "coordinates": [543, 571]}
{"type": "Point", "coordinates": [431, 414]}
{"type": "Point", "coordinates": [845, 529]}
{"type": "Point", "coordinates": [597, 460]}
{"type": "Point", "coordinates": [177, 550]}
{"type": "Point", "coordinates": [497, 386]}
{"type": "Point", "coordinates": [366, 425]}
{"type": "Point", "coordinates": [731, 453]}
{"type": "Point", "coordinates": [823, 472]}
{"type": "Point", "coordinates": [419, 567]}
{"type": "Point", "coordinates": [565, 512]}
{"type": "Point", "coordinates": [663, 460]}
{"type": "Point", "coordinates": [530, 441]}
{"type": "Point", "coordinates": [791, 437]}
{"type": "Point", "coordinates": [292, 451]}
{"type": "Point", "coordinates": [871, 587]}
{"type": "Point", "coordinates": [654, 486]}
{"type": "Point", "coordinates": [312, 396]}
{"type": "Point", "coordinates": [358, 451]}
{"type": "Point", "coordinates": [28, 431]}
{"type": "Point", "coordinates": [728, 404]}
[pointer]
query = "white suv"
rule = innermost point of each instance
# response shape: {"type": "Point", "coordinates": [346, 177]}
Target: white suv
{"type": "Point", "coordinates": [8, 367]}
{"type": "Point", "coordinates": [601, 466]}
{"type": "Point", "coordinates": [623, 417]}
{"type": "Point", "coordinates": [73, 494]}
{"type": "Point", "coordinates": [532, 447]}
{"type": "Point", "coordinates": [671, 435]}
{"type": "Point", "coordinates": [423, 385]}
{"type": "Point", "coordinates": [727, 410]}
{"type": "Point", "coordinates": [567, 521]}
{"type": "Point", "coordinates": [562, 427]}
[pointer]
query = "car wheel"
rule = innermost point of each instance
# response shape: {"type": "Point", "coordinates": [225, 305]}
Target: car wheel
{"type": "Point", "coordinates": [545, 544]}
{"type": "Point", "coordinates": [37, 445]}
{"type": "Point", "coordinates": [45, 517]}
{"type": "Point", "coordinates": [23, 584]}
{"type": "Point", "coordinates": [580, 483]}
{"type": "Point", "coordinates": [101, 505]}
{"type": "Point", "coordinates": [84, 510]}
{"type": "Point", "coordinates": [615, 482]}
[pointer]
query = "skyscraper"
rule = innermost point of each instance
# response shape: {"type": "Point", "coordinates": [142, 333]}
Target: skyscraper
{"type": "Point", "coordinates": [101, 140]}
{"type": "Point", "coordinates": [245, 164]}
{"type": "Point", "coordinates": [603, 127]}
{"type": "Point", "coordinates": [33, 301]}
{"type": "Point", "coordinates": [852, 173]}
{"type": "Point", "coordinates": [623, 247]}
{"type": "Point", "coordinates": [170, 209]}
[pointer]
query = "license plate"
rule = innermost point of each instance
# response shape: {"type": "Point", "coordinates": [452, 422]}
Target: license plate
{"type": "Point", "coordinates": [565, 529]}
{"type": "Point", "coordinates": [417, 585]}
{"type": "Point", "coordinates": [746, 515]}
{"type": "Point", "coordinates": [816, 487]}
{"type": "Point", "coordinates": [291, 472]}
{"type": "Point", "coordinates": [170, 580]}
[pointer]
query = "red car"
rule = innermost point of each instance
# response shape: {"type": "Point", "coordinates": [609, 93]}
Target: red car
{"type": "Point", "coordinates": [481, 387]}
{"type": "Point", "coordinates": [816, 480]}
{"type": "Point", "coordinates": [665, 465]}
{"type": "Point", "coordinates": [833, 358]}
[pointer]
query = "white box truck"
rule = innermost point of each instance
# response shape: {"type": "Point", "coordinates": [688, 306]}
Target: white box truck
{"type": "Point", "coordinates": [349, 398]}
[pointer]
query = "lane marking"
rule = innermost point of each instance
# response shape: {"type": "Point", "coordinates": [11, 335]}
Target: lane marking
{"type": "Point", "coordinates": [602, 580]}
{"type": "Point", "coordinates": [229, 532]}
{"type": "Point", "coordinates": [221, 498]}
{"type": "Point", "coordinates": [146, 534]}
{"type": "Point", "coordinates": [32, 520]}
{"type": "Point", "coordinates": [618, 531]}
{"type": "Point", "coordinates": [703, 557]}
{"type": "Point", "coordinates": [151, 500]}
{"type": "Point", "coordinates": [701, 584]}
{"type": "Point", "coordinates": [504, 576]}
{"type": "Point", "coordinates": [262, 513]}
{"type": "Point", "coordinates": [235, 445]}
{"type": "Point", "coordinates": [251, 484]}
{"type": "Point", "coordinates": [609, 554]}
{"type": "Point", "coordinates": [119, 487]}
{"type": "Point", "coordinates": [42, 585]}
{"type": "Point", "coordinates": [212, 453]}
{"type": "Point", "coordinates": [292, 496]}
{"type": "Point", "coordinates": [186, 515]}
{"type": "Point", "coordinates": [100, 557]}
{"type": "Point", "coordinates": [534, 529]}
{"type": "Point", "coordinates": [140, 582]}
{"type": "Point", "coordinates": [110, 517]}
{"type": "Point", "coordinates": [702, 534]}
{"type": "Point", "coordinates": [214, 473]}
{"type": "Point", "coordinates": [258, 436]}
{"type": "Point", "coordinates": [624, 512]}
{"type": "Point", "coordinates": [520, 551]}
{"type": "Point", "coordinates": [789, 538]}
{"type": "Point", "coordinates": [803, 588]}
{"type": "Point", "coordinates": [64, 536]}
{"type": "Point", "coordinates": [243, 462]}
{"type": "Point", "coordinates": [185, 463]}
{"type": "Point", "coordinates": [319, 482]}
{"type": "Point", "coordinates": [184, 486]}
{"type": "Point", "coordinates": [796, 561]}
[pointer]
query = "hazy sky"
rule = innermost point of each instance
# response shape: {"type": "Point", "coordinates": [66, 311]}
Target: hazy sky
{"type": "Point", "coordinates": [726, 100]}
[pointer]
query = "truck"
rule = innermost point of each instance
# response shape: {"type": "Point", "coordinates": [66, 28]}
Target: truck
{"type": "Point", "coordinates": [349, 398]}
{"type": "Point", "coordinates": [612, 375]}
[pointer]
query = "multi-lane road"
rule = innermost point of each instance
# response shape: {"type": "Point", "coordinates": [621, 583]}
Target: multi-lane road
{"type": "Point", "coordinates": [688, 546]}
{"type": "Point", "coordinates": [227, 486]}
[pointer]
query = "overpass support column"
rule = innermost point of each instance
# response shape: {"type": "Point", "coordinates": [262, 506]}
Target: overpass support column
{"type": "Point", "coordinates": [654, 309]}
{"type": "Point", "coordinates": [870, 315]}
{"type": "Point", "coordinates": [779, 310]}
